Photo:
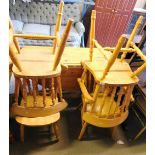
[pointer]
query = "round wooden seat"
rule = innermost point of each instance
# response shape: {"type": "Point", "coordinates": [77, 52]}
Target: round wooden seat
{"type": "Point", "coordinates": [119, 73]}
{"type": "Point", "coordinates": [37, 64]}
{"type": "Point", "coordinates": [38, 121]}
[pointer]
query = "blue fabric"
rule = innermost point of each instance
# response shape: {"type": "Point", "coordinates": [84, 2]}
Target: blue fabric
{"type": "Point", "coordinates": [36, 29]}
{"type": "Point", "coordinates": [17, 25]}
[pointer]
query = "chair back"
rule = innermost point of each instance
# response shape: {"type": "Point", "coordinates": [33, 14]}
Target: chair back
{"type": "Point", "coordinates": [111, 104]}
{"type": "Point", "coordinates": [41, 96]}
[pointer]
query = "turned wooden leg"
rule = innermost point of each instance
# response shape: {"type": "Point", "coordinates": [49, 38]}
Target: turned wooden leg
{"type": "Point", "coordinates": [56, 129]}
{"type": "Point", "coordinates": [22, 133]}
{"type": "Point", "coordinates": [82, 130]}
{"type": "Point", "coordinates": [114, 133]}
{"type": "Point", "coordinates": [54, 46]}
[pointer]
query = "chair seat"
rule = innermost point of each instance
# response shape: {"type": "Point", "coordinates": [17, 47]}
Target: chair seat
{"type": "Point", "coordinates": [104, 122]}
{"type": "Point", "coordinates": [108, 109]}
{"type": "Point", "coordinates": [114, 118]}
{"type": "Point", "coordinates": [37, 49]}
{"type": "Point", "coordinates": [42, 62]}
{"type": "Point", "coordinates": [38, 121]}
{"type": "Point", "coordinates": [119, 73]}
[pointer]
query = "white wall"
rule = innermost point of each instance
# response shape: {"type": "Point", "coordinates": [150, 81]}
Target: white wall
{"type": "Point", "coordinates": [140, 4]}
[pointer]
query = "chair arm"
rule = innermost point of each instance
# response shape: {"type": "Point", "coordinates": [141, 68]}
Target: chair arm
{"type": "Point", "coordinates": [80, 28]}
{"type": "Point", "coordinates": [84, 90]}
{"type": "Point", "coordinates": [32, 36]}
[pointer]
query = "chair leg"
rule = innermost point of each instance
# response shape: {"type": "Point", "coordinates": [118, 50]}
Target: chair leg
{"type": "Point", "coordinates": [114, 132]}
{"type": "Point", "coordinates": [56, 128]}
{"type": "Point", "coordinates": [22, 133]}
{"type": "Point", "coordinates": [82, 130]}
{"type": "Point", "coordinates": [54, 46]}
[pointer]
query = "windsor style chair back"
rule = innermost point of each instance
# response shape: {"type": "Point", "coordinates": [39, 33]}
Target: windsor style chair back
{"type": "Point", "coordinates": [38, 76]}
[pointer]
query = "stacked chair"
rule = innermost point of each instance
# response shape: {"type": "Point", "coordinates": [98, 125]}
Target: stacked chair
{"type": "Point", "coordinates": [37, 74]}
{"type": "Point", "coordinates": [107, 85]}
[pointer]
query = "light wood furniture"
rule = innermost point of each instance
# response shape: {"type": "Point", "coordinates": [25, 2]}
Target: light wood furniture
{"type": "Point", "coordinates": [57, 27]}
{"type": "Point", "coordinates": [106, 105]}
{"type": "Point", "coordinates": [72, 57]}
{"type": "Point", "coordinates": [99, 105]}
{"type": "Point", "coordinates": [107, 84]}
{"type": "Point", "coordinates": [38, 107]}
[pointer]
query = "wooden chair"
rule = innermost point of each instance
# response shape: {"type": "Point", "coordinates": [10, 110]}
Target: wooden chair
{"type": "Point", "coordinates": [106, 104]}
{"type": "Point", "coordinates": [56, 38]}
{"type": "Point", "coordinates": [38, 107]}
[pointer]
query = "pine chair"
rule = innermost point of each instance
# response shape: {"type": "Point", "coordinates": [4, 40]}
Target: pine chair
{"type": "Point", "coordinates": [56, 38]}
{"type": "Point", "coordinates": [38, 107]}
{"type": "Point", "coordinates": [106, 105]}
{"type": "Point", "coordinates": [107, 85]}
